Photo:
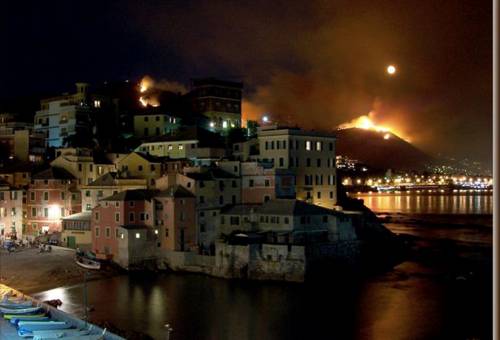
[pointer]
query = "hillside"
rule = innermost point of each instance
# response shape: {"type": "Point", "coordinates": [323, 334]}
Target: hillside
{"type": "Point", "coordinates": [370, 147]}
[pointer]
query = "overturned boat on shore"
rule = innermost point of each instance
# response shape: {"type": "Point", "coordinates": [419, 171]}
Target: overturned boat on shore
{"type": "Point", "coordinates": [87, 263]}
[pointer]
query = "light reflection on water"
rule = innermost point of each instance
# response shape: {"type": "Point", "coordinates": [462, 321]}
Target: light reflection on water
{"type": "Point", "coordinates": [413, 301]}
{"type": "Point", "coordinates": [428, 204]}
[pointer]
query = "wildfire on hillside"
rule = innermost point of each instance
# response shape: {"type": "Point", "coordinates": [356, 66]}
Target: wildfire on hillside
{"type": "Point", "coordinates": [151, 89]}
{"type": "Point", "coordinates": [366, 122]}
{"type": "Point", "coordinates": [145, 86]}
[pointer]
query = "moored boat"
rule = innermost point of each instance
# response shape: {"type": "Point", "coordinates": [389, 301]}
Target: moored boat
{"type": "Point", "coordinates": [42, 325]}
{"type": "Point", "coordinates": [88, 263]}
{"type": "Point", "coordinates": [54, 334]}
{"type": "Point", "coordinates": [15, 321]}
{"type": "Point", "coordinates": [24, 316]}
{"type": "Point", "coordinates": [19, 310]}
{"type": "Point", "coordinates": [24, 304]}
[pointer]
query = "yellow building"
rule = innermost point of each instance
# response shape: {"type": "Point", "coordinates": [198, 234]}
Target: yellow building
{"type": "Point", "coordinates": [76, 232]}
{"type": "Point", "coordinates": [151, 124]}
{"type": "Point", "coordinates": [309, 154]}
{"type": "Point", "coordinates": [141, 165]}
{"type": "Point", "coordinates": [83, 164]}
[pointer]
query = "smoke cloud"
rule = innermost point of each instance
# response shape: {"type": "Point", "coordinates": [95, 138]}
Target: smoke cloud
{"type": "Point", "coordinates": [319, 64]}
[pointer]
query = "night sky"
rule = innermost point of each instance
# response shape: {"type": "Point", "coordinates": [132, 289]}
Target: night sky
{"type": "Point", "coordinates": [314, 63]}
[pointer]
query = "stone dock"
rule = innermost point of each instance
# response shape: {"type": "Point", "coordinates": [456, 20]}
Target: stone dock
{"type": "Point", "coordinates": [8, 331]}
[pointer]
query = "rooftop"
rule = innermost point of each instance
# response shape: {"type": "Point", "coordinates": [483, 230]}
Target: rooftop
{"type": "Point", "coordinates": [292, 207]}
{"type": "Point", "coordinates": [82, 216]}
{"type": "Point", "coordinates": [54, 173]}
{"type": "Point", "coordinates": [210, 174]}
{"type": "Point", "coordinates": [132, 195]}
{"type": "Point", "coordinates": [175, 191]}
{"type": "Point", "coordinates": [239, 209]}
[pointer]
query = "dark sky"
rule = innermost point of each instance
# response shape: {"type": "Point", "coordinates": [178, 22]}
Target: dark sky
{"type": "Point", "coordinates": [316, 63]}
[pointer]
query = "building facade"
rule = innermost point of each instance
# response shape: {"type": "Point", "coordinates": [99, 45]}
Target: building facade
{"type": "Point", "coordinates": [310, 155]}
{"type": "Point", "coordinates": [53, 194]}
{"type": "Point", "coordinates": [219, 101]}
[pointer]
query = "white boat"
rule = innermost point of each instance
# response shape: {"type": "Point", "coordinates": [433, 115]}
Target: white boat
{"type": "Point", "coordinates": [88, 263]}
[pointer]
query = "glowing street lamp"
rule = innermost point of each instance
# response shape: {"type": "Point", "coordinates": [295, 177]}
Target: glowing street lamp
{"type": "Point", "coordinates": [391, 70]}
{"type": "Point", "coordinates": [265, 119]}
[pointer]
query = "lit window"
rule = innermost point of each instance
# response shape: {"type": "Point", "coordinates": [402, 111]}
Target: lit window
{"type": "Point", "coordinates": [224, 124]}
{"type": "Point", "coordinates": [137, 235]}
{"type": "Point", "coordinates": [308, 145]}
{"type": "Point", "coordinates": [181, 147]}
{"type": "Point", "coordinates": [319, 146]}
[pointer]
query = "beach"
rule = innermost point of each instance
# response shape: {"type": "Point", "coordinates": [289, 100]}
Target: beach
{"type": "Point", "coordinates": [30, 271]}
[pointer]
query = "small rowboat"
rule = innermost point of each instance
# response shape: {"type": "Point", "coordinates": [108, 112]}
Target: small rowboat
{"type": "Point", "coordinates": [54, 334]}
{"type": "Point", "coordinates": [42, 325]}
{"type": "Point", "coordinates": [15, 321]}
{"type": "Point", "coordinates": [88, 263]}
{"type": "Point", "coordinates": [25, 316]}
{"type": "Point", "coordinates": [9, 304]}
{"type": "Point", "coordinates": [19, 310]}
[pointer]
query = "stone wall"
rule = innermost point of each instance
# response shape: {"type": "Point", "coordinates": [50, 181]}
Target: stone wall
{"type": "Point", "coordinates": [260, 262]}
{"type": "Point", "coordinates": [185, 261]}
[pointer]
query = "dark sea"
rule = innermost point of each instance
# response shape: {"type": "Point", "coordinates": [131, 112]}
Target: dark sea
{"type": "Point", "coordinates": [441, 291]}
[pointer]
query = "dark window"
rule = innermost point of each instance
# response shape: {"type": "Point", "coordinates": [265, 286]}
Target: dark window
{"type": "Point", "coordinates": [308, 162]}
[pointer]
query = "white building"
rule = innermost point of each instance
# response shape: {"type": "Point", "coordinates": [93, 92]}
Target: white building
{"type": "Point", "coordinates": [309, 154]}
{"type": "Point", "coordinates": [63, 116]}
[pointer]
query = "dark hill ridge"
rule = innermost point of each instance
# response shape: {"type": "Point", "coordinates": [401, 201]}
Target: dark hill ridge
{"type": "Point", "coordinates": [370, 148]}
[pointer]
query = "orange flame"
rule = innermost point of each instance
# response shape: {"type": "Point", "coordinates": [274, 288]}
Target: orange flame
{"type": "Point", "coordinates": [364, 122]}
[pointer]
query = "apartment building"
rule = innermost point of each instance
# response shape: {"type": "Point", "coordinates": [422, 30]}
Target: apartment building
{"type": "Point", "coordinates": [309, 154]}
{"type": "Point", "coordinates": [53, 194]}
{"type": "Point", "coordinates": [84, 164]}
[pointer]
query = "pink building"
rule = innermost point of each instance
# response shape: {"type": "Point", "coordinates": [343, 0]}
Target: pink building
{"type": "Point", "coordinates": [127, 208]}
{"type": "Point", "coordinates": [168, 216]}
{"type": "Point", "coordinates": [176, 214]}
{"type": "Point", "coordinates": [51, 196]}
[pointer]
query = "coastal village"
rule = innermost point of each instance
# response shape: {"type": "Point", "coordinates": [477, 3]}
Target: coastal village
{"type": "Point", "coordinates": [157, 180]}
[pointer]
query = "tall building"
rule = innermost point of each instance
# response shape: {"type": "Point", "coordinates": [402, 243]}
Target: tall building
{"type": "Point", "coordinates": [65, 115]}
{"type": "Point", "coordinates": [309, 154]}
{"type": "Point", "coordinates": [219, 101]}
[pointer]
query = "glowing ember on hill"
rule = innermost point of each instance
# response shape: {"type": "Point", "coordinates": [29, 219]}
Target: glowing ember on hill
{"type": "Point", "coordinates": [364, 122]}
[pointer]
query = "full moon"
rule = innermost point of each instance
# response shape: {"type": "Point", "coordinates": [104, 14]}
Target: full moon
{"type": "Point", "coordinates": [391, 69]}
